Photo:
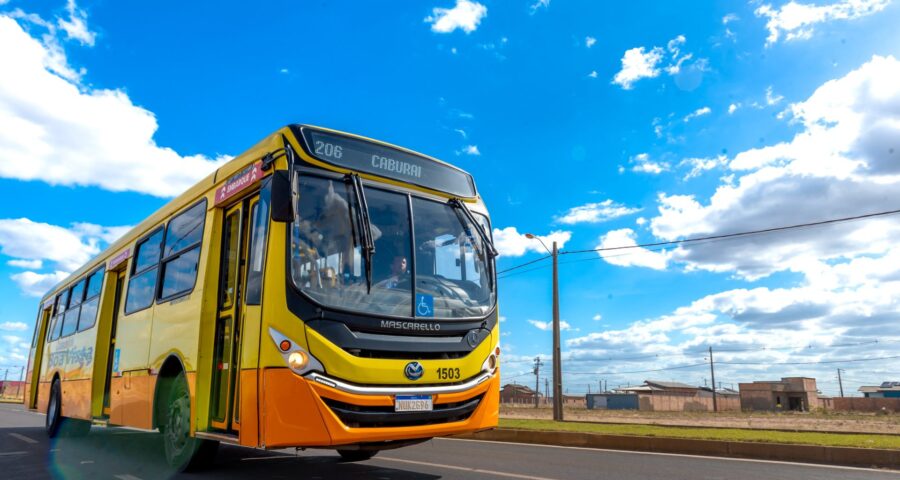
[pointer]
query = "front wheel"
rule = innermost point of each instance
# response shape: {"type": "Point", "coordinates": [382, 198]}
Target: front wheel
{"type": "Point", "coordinates": [183, 451]}
{"type": "Point", "coordinates": [356, 455]}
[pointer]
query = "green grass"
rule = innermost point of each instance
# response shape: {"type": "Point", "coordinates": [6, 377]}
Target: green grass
{"type": "Point", "coordinates": [724, 434]}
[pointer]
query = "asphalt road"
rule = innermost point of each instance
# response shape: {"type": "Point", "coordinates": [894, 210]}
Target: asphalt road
{"type": "Point", "coordinates": [118, 453]}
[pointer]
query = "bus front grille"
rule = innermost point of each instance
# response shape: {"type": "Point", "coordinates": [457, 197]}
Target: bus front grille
{"type": "Point", "coordinates": [358, 416]}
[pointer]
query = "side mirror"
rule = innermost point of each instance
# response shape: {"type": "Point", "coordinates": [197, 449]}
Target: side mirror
{"type": "Point", "coordinates": [282, 208]}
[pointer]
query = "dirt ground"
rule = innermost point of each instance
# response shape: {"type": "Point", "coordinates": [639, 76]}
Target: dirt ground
{"type": "Point", "coordinates": [818, 422]}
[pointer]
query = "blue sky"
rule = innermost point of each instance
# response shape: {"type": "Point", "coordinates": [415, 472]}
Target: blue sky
{"type": "Point", "coordinates": [588, 123]}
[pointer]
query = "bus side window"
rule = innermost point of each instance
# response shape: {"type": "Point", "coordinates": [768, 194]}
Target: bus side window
{"type": "Point", "coordinates": [61, 300]}
{"type": "Point", "coordinates": [76, 295]}
{"type": "Point", "coordinates": [91, 302]}
{"type": "Point", "coordinates": [181, 254]}
{"type": "Point", "coordinates": [142, 284]}
{"type": "Point", "coordinates": [259, 221]}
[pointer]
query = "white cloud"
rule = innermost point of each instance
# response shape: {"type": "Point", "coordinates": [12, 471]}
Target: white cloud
{"type": "Point", "coordinates": [284, 71]}
{"type": "Point", "coordinates": [700, 165]}
{"type": "Point", "coordinates": [637, 63]}
{"type": "Point", "coordinates": [30, 264]}
{"type": "Point", "coordinates": [31, 244]}
{"type": "Point", "coordinates": [547, 326]}
{"type": "Point", "coordinates": [772, 98]}
{"type": "Point", "coordinates": [731, 17]}
{"type": "Point", "coordinates": [597, 317]}
{"type": "Point", "coordinates": [797, 20]}
{"type": "Point", "coordinates": [13, 326]}
{"type": "Point", "coordinates": [596, 212]}
{"type": "Point", "coordinates": [733, 108]}
{"type": "Point", "coordinates": [630, 257]}
{"type": "Point", "coordinates": [643, 164]}
{"type": "Point", "coordinates": [461, 132]}
{"type": "Point", "coordinates": [697, 113]}
{"type": "Point", "coordinates": [466, 16]}
{"type": "Point", "coordinates": [76, 25]}
{"type": "Point", "coordinates": [842, 162]}
{"type": "Point", "coordinates": [56, 130]}
{"type": "Point", "coordinates": [593, 74]}
{"type": "Point", "coordinates": [471, 150]}
{"type": "Point", "coordinates": [510, 243]}
{"type": "Point", "coordinates": [589, 41]}
{"type": "Point", "coordinates": [537, 5]}
{"type": "Point", "coordinates": [37, 284]}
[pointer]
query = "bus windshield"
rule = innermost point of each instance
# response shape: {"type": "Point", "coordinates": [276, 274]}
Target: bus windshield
{"type": "Point", "coordinates": [428, 261]}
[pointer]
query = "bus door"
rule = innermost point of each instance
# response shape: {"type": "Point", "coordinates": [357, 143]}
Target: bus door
{"type": "Point", "coordinates": [112, 362]}
{"type": "Point", "coordinates": [37, 354]}
{"type": "Point", "coordinates": [226, 360]}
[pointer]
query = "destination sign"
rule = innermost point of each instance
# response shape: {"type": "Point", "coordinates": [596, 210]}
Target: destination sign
{"type": "Point", "coordinates": [388, 162]}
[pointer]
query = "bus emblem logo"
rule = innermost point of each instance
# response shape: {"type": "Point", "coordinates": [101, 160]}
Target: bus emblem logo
{"type": "Point", "coordinates": [414, 370]}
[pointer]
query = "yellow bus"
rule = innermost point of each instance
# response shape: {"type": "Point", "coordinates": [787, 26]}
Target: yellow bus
{"type": "Point", "coordinates": [320, 290]}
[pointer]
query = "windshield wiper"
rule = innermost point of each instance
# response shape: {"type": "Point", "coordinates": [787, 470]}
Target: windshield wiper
{"type": "Point", "coordinates": [364, 227]}
{"type": "Point", "coordinates": [461, 205]}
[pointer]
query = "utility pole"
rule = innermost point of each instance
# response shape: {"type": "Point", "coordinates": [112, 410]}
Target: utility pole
{"type": "Point", "coordinates": [712, 373]}
{"type": "Point", "coordinates": [21, 380]}
{"type": "Point", "coordinates": [537, 380]}
{"type": "Point", "coordinates": [547, 389]}
{"type": "Point", "coordinates": [840, 382]}
{"type": "Point", "coordinates": [557, 359]}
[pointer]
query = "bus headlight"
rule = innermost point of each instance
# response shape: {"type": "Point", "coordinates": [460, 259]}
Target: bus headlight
{"type": "Point", "coordinates": [296, 358]}
{"type": "Point", "coordinates": [492, 361]}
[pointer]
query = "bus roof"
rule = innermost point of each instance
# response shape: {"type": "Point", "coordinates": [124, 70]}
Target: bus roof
{"type": "Point", "coordinates": [203, 187]}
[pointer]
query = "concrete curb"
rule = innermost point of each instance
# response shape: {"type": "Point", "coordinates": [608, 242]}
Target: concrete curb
{"type": "Point", "coordinates": [848, 456]}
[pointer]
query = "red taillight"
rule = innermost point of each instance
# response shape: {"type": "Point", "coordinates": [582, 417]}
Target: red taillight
{"type": "Point", "coordinates": [285, 345]}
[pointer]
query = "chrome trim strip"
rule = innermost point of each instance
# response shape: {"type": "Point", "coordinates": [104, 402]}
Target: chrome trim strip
{"type": "Point", "coordinates": [398, 389]}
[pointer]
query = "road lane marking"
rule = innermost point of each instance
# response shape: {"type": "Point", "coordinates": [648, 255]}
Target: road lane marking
{"type": "Point", "coordinates": [3, 454]}
{"type": "Point", "coordinates": [465, 469]}
{"type": "Point", "coordinates": [126, 476]}
{"type": "Point", "coordinates": [23, 438]}
{"type": "Point", "coordinates": [704, 457]}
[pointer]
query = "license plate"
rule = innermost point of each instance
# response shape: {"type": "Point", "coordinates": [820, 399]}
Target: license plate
{"type": "Point", "coordinates": [413, 403]}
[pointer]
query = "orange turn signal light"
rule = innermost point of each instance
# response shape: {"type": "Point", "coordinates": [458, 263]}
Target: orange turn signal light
{"type": "Point", "coordinates": [285, 345]}
{"type": "Point", "coordinates": [497, 351]}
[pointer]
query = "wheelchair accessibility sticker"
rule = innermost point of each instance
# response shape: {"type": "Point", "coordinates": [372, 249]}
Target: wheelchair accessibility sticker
{"type": "Point", "coordinates": [424, 305]}
{"type": "Point", "coordinates": [115, 367]}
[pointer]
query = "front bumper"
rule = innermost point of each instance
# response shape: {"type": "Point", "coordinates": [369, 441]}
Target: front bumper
{"type": "Point", "coordinates": [318, 411]}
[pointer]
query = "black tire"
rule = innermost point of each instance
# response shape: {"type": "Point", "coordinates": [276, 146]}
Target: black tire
{"type": "Point", "coordinates": [56, 424]}
{"type": "Point", "coordinates": [356, 455]}
{"type": "Point", "coordinates": [183, 451]}
{"type": "Point", "coordinates": [54, 418]}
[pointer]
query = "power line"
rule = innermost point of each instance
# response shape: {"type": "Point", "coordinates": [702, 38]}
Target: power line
{"type": "Point", "coordinates": [821, 362]}
{"type": "Point", "coordinates": [501, 272]}
{"type": "Point", "coordinates": [679, 367]}
{"type": "Point", "coordinates": [739, 234]}
{"type": "Point", "coordinates": [660, 245]}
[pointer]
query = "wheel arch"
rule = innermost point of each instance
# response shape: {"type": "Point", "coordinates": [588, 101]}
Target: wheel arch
{"type": "Point", "coordinates": [171, 367]}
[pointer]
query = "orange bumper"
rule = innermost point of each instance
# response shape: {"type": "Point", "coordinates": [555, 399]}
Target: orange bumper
{"type": "Point", "coordinates": [296, 415]}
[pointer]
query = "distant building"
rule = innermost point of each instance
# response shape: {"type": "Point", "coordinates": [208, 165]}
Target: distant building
{"type": "Point", "coordinates": [789, 393]}
{"type": "Point", "coordinates": [515, 393]}
{"type": "Point", "coordinates": [651, 387]}
{"type": "Point", "coordinates": [659, 396]}
{"type": "Point", "coordinates": [885, 390]}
